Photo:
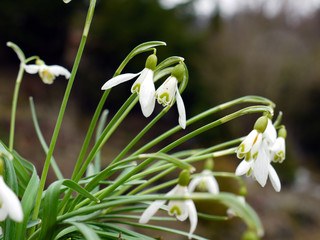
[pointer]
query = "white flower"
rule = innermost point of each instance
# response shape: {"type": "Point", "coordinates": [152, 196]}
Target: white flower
{"type": "Point", "coordinates": [47, 73]}
{"type": "Point", "coordinates": [232, 213]}
{"type": "Point", "coordinates": [166, 94]}
{"type": "Point", "coordinates": [182, 209]}
{"type": "Point", "coordinates": [205, 182]}
{"type": "Point", "coordinates": [250, 145]}
{"type": "Point", "coordinates": [279, 150]}
{"type": "Point", "coordinates": [143, 86]}
{"type": "Point", "coordinates": [257, 150]}
{"type": "Point", "coordinates": [9, 203]}
{"type": "Point", "coordinates": [260, 168]}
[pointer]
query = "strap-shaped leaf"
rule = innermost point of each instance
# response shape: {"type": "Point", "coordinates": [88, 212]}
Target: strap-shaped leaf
{"type": "Point", "coordinates": [76, 187]}
{"type": "Point", "coordinates": [10, 178]}
{"type": "Point", "coordinates": [50, 211]}
{"type": "Point", "coordinates": [27, 203]}
{"type": "Point", "coordinates": [86, 231]}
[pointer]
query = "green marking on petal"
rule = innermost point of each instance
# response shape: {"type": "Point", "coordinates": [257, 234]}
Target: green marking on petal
{"type": "Point", "coordinates": [164, 97]}
{"type": "Point", "coordinates": [175, 210]}
{"type": "Point", "coordinates": [47, 77]}
{"type": "Point", "coordinates": [136, 88]}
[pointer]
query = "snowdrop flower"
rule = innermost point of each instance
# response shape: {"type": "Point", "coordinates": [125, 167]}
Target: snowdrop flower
{"type": "Point", "coordinates": [232, 213]}
{"type": "Point", "coordinates": [206, 181]}
{"type": "Point", "coordinates": [256, 150]}
{"type": "Point", "coordinates": [169, 91]}
{"type": "Point", "coordinates": [279, 147]}
{"type": "Point", "coordinates": [181, 209]}
{"type": "Point", "coordinates": [9, 203]}
{"type": "Point", "coordinates": [251, 144]}
{"type": "Point", "coordinates": [47, 73]}
{"type": "Point", "coordinates": [143, 86]}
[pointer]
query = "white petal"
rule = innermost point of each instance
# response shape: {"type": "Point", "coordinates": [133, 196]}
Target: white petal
{"type": "Point", "coordinates": [275, 181]}
{"type": "Point", "coordinates": [119, 79]}
{"type": "Point", "coordinates": [194, 183]}
{"type": "Point", "coordinates": [260, 167]}
{"type": "Point", "coordinates": [212, 185]}
{"type": "Point", "coordinates": [147, 94]}
{"type": "Point", "coordinates": [181, 206]}
{"type": "Point", "coordinates": [151, 210]}
{"type": "Point", "coordinates": [10, 203]}
{"type": "Point", "coordinates": [256, 146]}
{"type": "Point", "coordinates": [32, 68]}
{"type": "Point", "coordinates": [193, 217]}
{"type": "Point", "coordinates": [58, 70]}
{"type": "Point", "coordinates": [166, 92]}
{"type": "Point", "coordinates": [247, 143]}
{"type": "Point", "coordinates": [270, 134]}
{"type": "Point", "coordinates": [243, 167]}
{"type": "Point", "coordinates": [181, 110]}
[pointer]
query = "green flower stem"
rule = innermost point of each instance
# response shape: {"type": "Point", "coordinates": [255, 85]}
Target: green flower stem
{"type": "Point", "coordinates": [201, 152]}
{"type": "Point", "coordinates": [110, 128]}
{"type": "Point", "coordinates": [62, 109]}
{"type": "Point", "coordinates": [252, 109]}
{"type": "Point", "coordinates": [168, 168]}
{"type": "Point", "coordinates": [124, 200]}
{"type": "Point", "coordinates": [139, 49]}
{"type": "Point", "coordinates": [106, 135]}
{"type": "Point", "coordinates": [161, 156]}
{"type": "Point", "coordinates": [53, 163]}
{"type": "Point", "coordinates": [14, 106]}
{"type": "Point", "coordinates": [140, 135]}
{"type": "Point", "coordinates": [239, 113]}
{"type": "Point", "coordinates": [246, 99]}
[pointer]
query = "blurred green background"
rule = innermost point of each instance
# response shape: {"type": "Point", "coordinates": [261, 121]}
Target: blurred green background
{"type": "Point", "coordinates": [228, 55]}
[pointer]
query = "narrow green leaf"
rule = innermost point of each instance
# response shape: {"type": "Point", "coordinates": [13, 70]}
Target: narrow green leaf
{"type": "Point", "coordinates": [86, 231]}
{"type": "Point", "coordinates": [76, 187]}
{"type": "Point", "coordinates": [27, 203]}
{"type": "Point", "coordinates": [64, 232]}
{"type": "Point", "coordinates": [243, 210]}
{"type": "Point", "coordinates": [42, 140]}
{"type": "Point", "coordinates": [50, 211]}
{"type": "Point", "coordinates": [10, 179]}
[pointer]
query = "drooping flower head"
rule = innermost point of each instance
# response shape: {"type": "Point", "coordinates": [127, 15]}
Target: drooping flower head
{"type": "Point", "coordinates": [9, 202]}
{"type": "Point", "coordinates": [279, 147]}
{"type": "Point", "coordinates": [169, 91]}
{"type": "Point", "coordinates": [143, 86]}
{"type": "Point", "coordinates": [47, 73]}
{"type": "Point", "coordinates": [257, 153]}
{"type": "Point", "coordinates": [181, 209]}
{"type": "Point", "coordinates": [206, 181]}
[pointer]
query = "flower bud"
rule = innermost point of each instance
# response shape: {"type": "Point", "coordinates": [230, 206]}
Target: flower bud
{"type": "Point", "coordinates": [184, 178]}
{"type": "Point", "coordinates": [261, 124]}
{"type": "Point", "coordinates": [151, 62]}
{"type": "Point", "coordinates": [282, 132]}
{"type": "Point", "coordinates": [178, 72]}
{"type": "Point", "coordinates": [243, 191]}
{"type": "Point", "coordinates": [39, 62]}
{"type": "Point", "coordinates": [250, 235]}
{"type": "Point", "coordinates": [209, 164]}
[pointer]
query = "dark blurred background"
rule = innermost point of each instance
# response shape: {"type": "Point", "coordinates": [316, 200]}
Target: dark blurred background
{"type": "Point", "coordinates": [232, 48]}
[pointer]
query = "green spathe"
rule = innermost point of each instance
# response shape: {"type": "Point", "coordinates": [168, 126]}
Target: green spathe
{"type": "Point", "coordinates": [178, 72]}
{"type": "Point", "coordinates": [261, 124]}
{"type": "Point", "coordinates": [282, 132]}
{"type": "Point", "coordinates": [184, 178]}
{"type": "Point", "coordinates": [151, 62]}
